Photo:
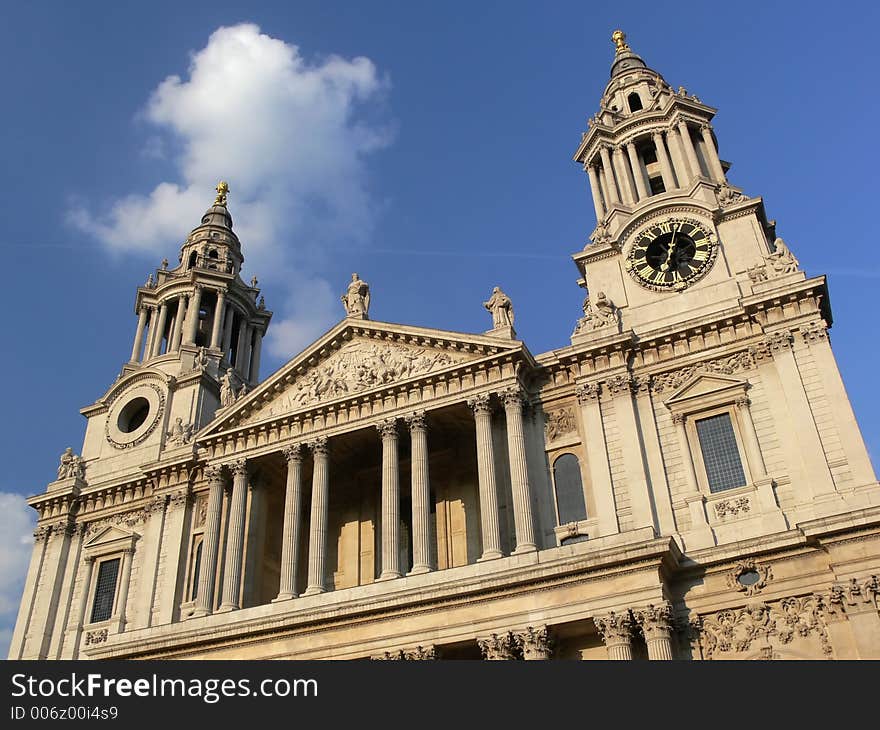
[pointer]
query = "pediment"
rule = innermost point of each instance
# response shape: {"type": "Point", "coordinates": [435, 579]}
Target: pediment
{"type": "Point", "coordinates": [703, 385]}
{"type": "Point", "coordinates": [109, 534]}
{"type": "Point", "coordinates": [354, 359]}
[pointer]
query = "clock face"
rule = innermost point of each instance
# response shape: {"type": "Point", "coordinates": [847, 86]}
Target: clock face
{"type": "Point", "coordinates": [671, 254]}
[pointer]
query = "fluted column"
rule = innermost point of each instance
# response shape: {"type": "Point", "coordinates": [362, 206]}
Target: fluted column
{"type": "Point", "coordinates": [160, 330]}
{"type": "Point", "coordinates": [139, 335]}
{"type": "Point", "coordinates": [193, 311]}
{"type": "Point", "coordinates": [611, 196]}
{"type": "Point", "coordinates": [292, 520]}
{"type": "Point", "coordinates": [663, 158]}
{"type": "Point", "coordinates": [390, 501]}
{"type": "Point", "coordinates": [637, 172]}
{"type": "Point", "coordinates": [235, 537]}
{"type": "Point", "coordinates": [535, 643]}
{"type": "Point", "coordinates": [420, 494]}
{"type": "Point", "coordinates": [616, 631]}
{"type": "Point", "coordinates": [177, 332]}
{"type": "Point", "coordinates": [318, 519]}
{"type": "Point", "coordinates": [596, 191]}
{"type": "Point", "coordinates": [491, 533]}
{"type": "Point", "coordinates": [254, 372]}
{"type": "Point", "coordinates": [626, 188]}
{"type": "Point", "coordinates": [712, 153]}
{"type": "Point", "coordinates": [656, 625]}
{"type": "Point", "coordinates": [241, 354]}
{"type": "Point", "coordinates": [519, 473]}
{"type": "Point", "coordinates": [688, 144]}
{"type": "Point", "coordinates": [219, 309]}
{"type": "Point", "coordinates": [497, 647]}
{"type": "Point", "coordinates": [210, 542]}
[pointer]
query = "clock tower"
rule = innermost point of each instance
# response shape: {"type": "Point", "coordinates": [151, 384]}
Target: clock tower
{"type": "Point", "coordinates": [674, 240]}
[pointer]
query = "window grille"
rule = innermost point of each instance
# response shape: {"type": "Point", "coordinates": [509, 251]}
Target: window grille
{"type": "Point", "coordinates": [724, 468]}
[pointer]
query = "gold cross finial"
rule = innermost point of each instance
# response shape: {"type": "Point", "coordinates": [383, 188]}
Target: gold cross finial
{"type": "Point", "coordinates": [222, 188]}
{"type": "Point", "coordinates": [618, 37]}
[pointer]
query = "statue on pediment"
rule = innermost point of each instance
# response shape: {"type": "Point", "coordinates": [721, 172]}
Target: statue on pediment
{"type": "Point", "coordinates": [356, 299]}
{"type": "Point", "coordinates": [501, 307]}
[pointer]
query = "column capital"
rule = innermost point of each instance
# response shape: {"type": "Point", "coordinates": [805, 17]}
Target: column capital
{"type": "Point", "coordinates": [198, 287]}
{"type": "Point", "coordinates": [588, 393]}
{"type": "Point", "coordinates": [614, 628]}
{"type": "Point", "coordinates": [705, 127]}
{"type": "Point", "coordinates": [535, 643]}
{"type": "Point", "coordinates": [620, 384]}
{"type": "Point", "coordinates": [293, 453]}
{"type": "Point", "coordinates": [417, 421]}
{"type": "Point", "coordinates": [654, 621]}
{"type": "Point", "coordinates": [743, 402]}
{"type": "Point", "coordinates": [778, 341]}
{"type": "Point", "coordinates": [498, 646]}
{"type": "Point", "coordinates": [214, 474]}
{"type": "Point", "coordinates": [238, 467]}
{"type": "Point", "coordinates": [480, 403]}
{"type": "Point", "coordinates": [512, 397]}
{"type": "Point", "coordinates": [814, 332]}
{"type": "Point", "coordinates": [318, 446]}
{"type": "Point", "coordinates": [387, 428]}
{"type": "Point", "coordinates": [679, 418]}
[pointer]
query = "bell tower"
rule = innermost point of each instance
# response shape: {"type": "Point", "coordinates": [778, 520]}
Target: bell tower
{"type": "Point", "coordinates": [673, 239]}
{"type": "Point", "coordinates": [196, 344]}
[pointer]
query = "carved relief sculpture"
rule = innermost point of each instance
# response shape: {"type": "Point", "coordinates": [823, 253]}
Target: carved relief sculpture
{"type": "Point", "coordinates": [559, 423]}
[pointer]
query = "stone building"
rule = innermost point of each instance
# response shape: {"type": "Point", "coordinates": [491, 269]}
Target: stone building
{"type": "Point", "coordinates": [684, 479]}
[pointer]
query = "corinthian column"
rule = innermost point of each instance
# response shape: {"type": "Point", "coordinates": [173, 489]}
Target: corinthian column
{"type": "Point", "coordinates": [712, 153]}
{"type": "Point", "coordinates": [596, 191]}
{"type": "Point", "coordinates": [656, 625]}
{"type": "Point", "coordinates": [318, 521]}
{"type": "Point", "coordinates": [663, 159]}
{"type": "Point", "coordinates": [210, 542]}
{"type": "Point", "coordinates": [292, 519]}
{"type": "Point", "coordinates": [519, 473]}
{"type": "Point", "coordinates": [535, 643]}
{"type": "Point", "coordinates": [219, 307]}
{"type": "Point", "coordinates": [235, 537]}
{"type": "Point", "coordinates": [139, 335]}
{"type": "Point", "coordinates": [626, 186]}
{"type": "Point", "coordinates": [486, 472]}
{"type": "Point", "coordinates": [610, 186]}
{"type": "Point", "coordinates": [616, 631]}
{"type": "Point", "coordinates": [390, 501]}
{"type": "Point", "coordinates": [177, 330]}
{"type": "Point", "coordinates": [638, 175]}
{"type": "Point", "coordinates": [688, 144]}
{"type": "Point", "coordinates": [498, 646]}
{"type": "Point", "coordinates": [421, 495]}
{"type": "Point", "coordinates": [160, 330]}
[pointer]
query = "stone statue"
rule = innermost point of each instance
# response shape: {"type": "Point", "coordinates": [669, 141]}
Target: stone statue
{"type": "Point", "coordinates": [356, 299]}
{"type": "Point", "coordinates": [227, 389]}
{"type": "Point", "coordinates": [164, 264]}
{"type": "Point", "coordinates": [254, 282]}
{"type": "Point", "coordinates": [262, 302]}
{"type": "Point", "coordinates": [598, 313]}
{"type": "Point", "coordinates": [200, 362]}
{"type": "Point", "coordinates": [782, 260]}
{"type": "Point", "coordinates": [222, 189]}
{"type": "Point", "coordinates": [180, 433]}
{"type": "Point", "coordinates": [71, 466]}
{"type": "Point", "coordinates": [501, 307]}
{"type": "Point", "coordinates": [149, 282]}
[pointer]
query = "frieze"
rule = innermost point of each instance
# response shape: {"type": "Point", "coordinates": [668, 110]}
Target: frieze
{"type": "Point", "coordinates": [854, 594]}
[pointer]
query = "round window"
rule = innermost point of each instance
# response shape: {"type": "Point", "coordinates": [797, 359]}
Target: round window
{"type": "Point", "coordinates": [748, 578]}
{"type": "Point", "coordinates": [133, 415]}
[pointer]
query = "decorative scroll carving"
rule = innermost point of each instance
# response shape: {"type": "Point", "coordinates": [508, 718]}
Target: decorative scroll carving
{"type": "Point", "coordinates": [587, 393]}
{"type": "Point", "coordinates": [598, 314]}
{"type": "Point", "coordinates": [534, 643]}
{"type": "Point", "coordinates": [98, 636]}
{"type": "Point", "coordinates": [559, 423]}
{"type": "Point", "coordinates": [755, 628]}
{"type": "Point", "coordinates": [749, 577]}
{"type": "Point", "coordinates": [497, 646]}
{"type": "Point", "coordinates": [71, 466]}
{"type": "Point", "coordinates": [732, 507]}
{"type": "Point", "coordinates": [728, 365]}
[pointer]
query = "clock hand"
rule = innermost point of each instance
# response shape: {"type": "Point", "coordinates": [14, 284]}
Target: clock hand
{"type": "Point", "coordinates": [669, 251]}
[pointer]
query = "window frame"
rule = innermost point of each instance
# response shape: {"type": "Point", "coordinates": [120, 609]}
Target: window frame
{"type": "Point", "coordinates": [697, 451]}
{"type": "Point", "coordinates": [99, 551]}
{"type": "Point", "coordinates": [556, 458]}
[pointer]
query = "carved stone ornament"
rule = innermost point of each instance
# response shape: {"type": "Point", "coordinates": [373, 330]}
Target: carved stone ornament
{"type": "Point", "coordinates": [419, 653]}
{"type": "Point", "coordinates": [292, 453]}
{"type": "Point", "coordinates": [535, 643]}
{"type": "Point", "coordinates": [200, 511]}
{"type": "Point", "coordinates": [778, 263]}
{"type": "Point", "coordinates": [99, 636]}
{"type": "Point", "coordinates": [480, 403]}
{"type": "Point", "coordinates": [417, 421]}
{"type": "Point", "coordinates": [654, 621]}
{"type": "Point", "coordinates": [600, 235]}
{"type": "Point", "coordinates": [761, 629]}
{"type": "Point", "coordinates": [729, 508]}
{"type": "Point", "coordinates": [749, 577]}
{"type": "Point", "coordinates": [181, 433]}
{"type": "Point", "coordinates": [857, 594]}
{"type": "Point", "coordinates": [501, 309]}
{"type": "Point", "coordinates": [71, 466]}
{"type": "Point", "coordinates": [814, 332]}
{"type": "Point", "coordinates": [356, 298]}
{"type": "Point", "coordinates": [614, 628]}
{"type": "Point", "coordinates": [559, 423]}
{"type": "Point", "coordinates": [318, 446]}
{"type": "Point", "coordinates": [728, 196]}
{"type": "Point", "coordinates": [727, 365]}
{"type": "Point", "coordinates": [512, 398]}
{"type": "Point", "coordinates": [620, 384]}
{"type": "Point", "coordinates": [387, 428]}
{"type": "Point", "coordinates": [599, 313]}
{"type": "Point", "coordinates": [358, 366]}
{"type": "Point", "coordinates": [588, 393]}
{"type": "Point", "coordinates": [498, 646]}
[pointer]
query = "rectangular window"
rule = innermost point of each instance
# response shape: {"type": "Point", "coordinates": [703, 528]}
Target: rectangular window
{"type": "Point", "coordinates": [105, 590]}
{"type": "Point", "coordinates": [724, 468]}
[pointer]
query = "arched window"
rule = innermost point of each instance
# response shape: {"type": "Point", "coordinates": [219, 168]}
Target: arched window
{"type": "Point", "coordinates": [192, 260]}
{"type": "Point", "coordinates": [634, 101]}
{"type": "Point", "coordinates": [569, 489]}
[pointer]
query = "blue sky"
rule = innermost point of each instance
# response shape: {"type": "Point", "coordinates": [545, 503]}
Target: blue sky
{"type": "Point", "coordinates": [426, 146]}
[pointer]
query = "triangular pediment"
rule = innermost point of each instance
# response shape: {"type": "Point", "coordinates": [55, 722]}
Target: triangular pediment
{"type": "Point", "coordinates": [107, 535]}
{"type": "Point", "coordinates": [702, 385]}
{"type": "Point", "coordinates": [353, 359]}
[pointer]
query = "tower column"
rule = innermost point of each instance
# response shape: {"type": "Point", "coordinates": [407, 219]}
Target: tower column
{"type": "Point", "coordinates": [193, 319]}
{"type": "Point", "coordinates": [676, 154]}
{"type": "Point", "coordinates": [292, 519]}
{"type": "Point", "coordinates": [390, 501]}
{"type": "Point", "coordinates": [227, 331]}
{"type": "Point", "coordinates": [235, 537]}
{"type": "Point", "coordinates": [597, 192]}
{"type": "Point", "coordinates": [712, 153]}
{"type": "Point", "coordinates": [611, 196]}
{"type": "Point", "coordinates": [219, 309]}
{"type": "Point", "coordinates": [421, 495]}
{"type": "Point", "coordinates": [139, 335]}
{"type": "Point", "coordinates": [663, 159]}
{"type": "Point", "coordinates": [160, 330]}
{"type": "Point", "coordinates": [491, 533]}
{"type": "Point", "coordinates": [635, 163]}
{"type": "Point", "coordinates": [318, 520]}
{"type": "Point", "coordinates": [626, 187]}
{"type": "Point", "coordinates": [255, 355]}
{"type": "Point", "coordinates": [689, 151]}
{"type": "Point", "coordinates": [242, 350]}
{"type": "Point", "coordinates": [210, 542]}
{"type": "Point", "coordinates": [519, 474]}
{"type": "Point", "coordinates": [177, 333]}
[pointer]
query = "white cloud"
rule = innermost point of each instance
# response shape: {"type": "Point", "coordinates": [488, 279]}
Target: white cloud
{"type": "Point", "coordinates": [16, 542]}
{"type": "Point", "coordinates": [291, 138]}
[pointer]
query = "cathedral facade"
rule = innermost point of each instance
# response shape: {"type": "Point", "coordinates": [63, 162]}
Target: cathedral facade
{"type": "Point", "coordinates": [685, 479]}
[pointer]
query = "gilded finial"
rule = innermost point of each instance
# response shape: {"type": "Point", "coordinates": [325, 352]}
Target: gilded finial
{"type": "Point", "coordinates": [222, 188]}
{"type": "Point", "coordinates": [618, 37]}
